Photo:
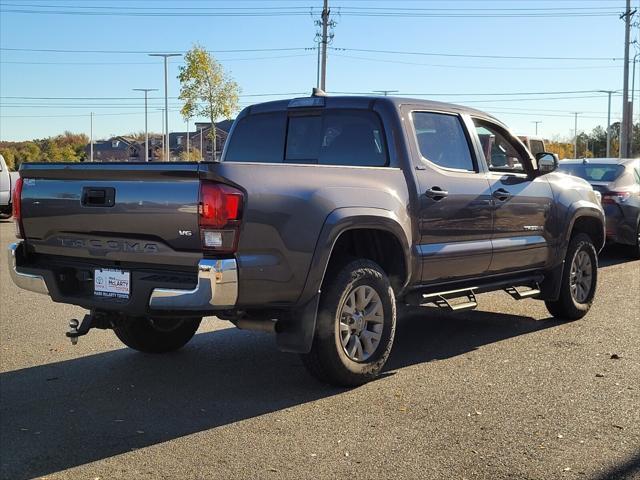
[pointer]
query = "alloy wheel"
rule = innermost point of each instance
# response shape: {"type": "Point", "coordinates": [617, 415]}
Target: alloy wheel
{"type": "Point", "coordinates": [361, 321]}
{"type": "Point", "coordinates": [581, 276]}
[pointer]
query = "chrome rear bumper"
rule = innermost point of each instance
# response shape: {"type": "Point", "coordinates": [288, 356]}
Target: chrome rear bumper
{"type": "Point", "coordinates": [217, 288]}
{"type": "Point", "coordinates": [26, 281]}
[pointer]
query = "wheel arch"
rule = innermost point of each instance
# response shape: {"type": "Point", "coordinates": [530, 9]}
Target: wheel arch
{"type": "Point", "coordinates": [352, 224]}
{"type": "Point", "coordinates": [296, 334]}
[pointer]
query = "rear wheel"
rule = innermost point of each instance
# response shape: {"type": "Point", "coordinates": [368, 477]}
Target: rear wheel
{"type": "Point", "coordinates": [579, 279]}
{"type": "Point", "coordinates": [355, 326]}
{"type": "Point", "coordinates": [156, 335]}
{"type": "Point", "coordinates": [635, 249]}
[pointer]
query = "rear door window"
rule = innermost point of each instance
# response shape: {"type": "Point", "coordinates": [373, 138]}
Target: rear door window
{"type": "Point", "coordinates": [441, 140]}
{"type": "Point", "coordinates": [258, 138]}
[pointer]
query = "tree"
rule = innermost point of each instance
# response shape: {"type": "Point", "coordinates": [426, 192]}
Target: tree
{"type": "Point", "coordinates": [206, 89]}
{"type": "Point", "coordinates": [193, 155]}
{"type": "Point", "coordinates": [562, 149]}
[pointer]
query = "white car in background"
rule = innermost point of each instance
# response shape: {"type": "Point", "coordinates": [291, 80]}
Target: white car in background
{"type": "Point", "coordinates": [534, 143]}
{"type": "Point", "coordinates": [7, 181]}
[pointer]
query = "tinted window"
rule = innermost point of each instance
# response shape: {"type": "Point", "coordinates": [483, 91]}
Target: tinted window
{"type": "Point", "coordinates": [592, 172]}
{"type": "Point", "coordinates": [441, 140]}
{"type": "Point", "coordinates": [337, 137]}
{"type": "Point", "coordinates": [303, 139]}
{"type": "Point", "coordinates": [499, 152]}
{"type": "Point", "coordinates": [258, 138]}
{"type": "Point", "coordinates": [537, 146]}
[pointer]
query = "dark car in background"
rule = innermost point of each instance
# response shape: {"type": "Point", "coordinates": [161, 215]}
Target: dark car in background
{"type": "Point", "coordinates": [618, 181]}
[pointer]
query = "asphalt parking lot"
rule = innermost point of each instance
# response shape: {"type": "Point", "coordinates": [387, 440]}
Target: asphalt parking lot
{"type": "Point", "coordinates": [501, 392]}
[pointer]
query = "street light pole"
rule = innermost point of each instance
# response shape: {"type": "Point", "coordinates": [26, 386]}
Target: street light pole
{"type": "Point", "coordinates": [166, 56]}
{"type": "Point", "coordinates": [608, 92]}
{"type": "Point", "coordinates": [385, 92]}
{"type": "Point", "coordinates": [537, 122]}
{"type": "Point", "coordinates": [575, 141]}
{"type": "Point", "coordinates": [91, 140]}
{"type": "Point", "coordinates": [146, 128]}
{"type": "Point", "coordinates": [201, 154]}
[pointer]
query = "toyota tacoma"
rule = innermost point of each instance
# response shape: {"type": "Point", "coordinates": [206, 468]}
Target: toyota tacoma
{"type": "Point", "coordinates": [323, 215]}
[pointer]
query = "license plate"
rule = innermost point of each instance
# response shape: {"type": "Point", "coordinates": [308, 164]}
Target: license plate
{"type": "Point", "coordinates": [111, 283]}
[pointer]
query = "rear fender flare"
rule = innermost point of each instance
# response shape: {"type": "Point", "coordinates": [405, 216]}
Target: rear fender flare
{"type": "Point", "coordinates": [297, 331]}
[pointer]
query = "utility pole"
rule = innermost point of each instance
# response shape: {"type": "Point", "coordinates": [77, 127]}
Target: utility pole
{"type": "Point", "coordinates": [626, 120]}
{"type": "Point", "coordinates": [201, 154]}
{"type": "Point", "coordinates": [537, 122]}
{"type": "Point", "coordinates": [146, 128]}
{"type": "Point", "coordinates": [608, 92]}
{"type": "Point", "coordinates": [575, 140]}
{"type": "Point", "coordinates": [187, 138]}
{"type": "Point", "coordinates": [325, 26]}
{"type": "Point", "coordinates": [385, 92]}
{"type": "Point", "coordinates": [91, 139]}
{"type": "Point", "coordinates": [166, 56]}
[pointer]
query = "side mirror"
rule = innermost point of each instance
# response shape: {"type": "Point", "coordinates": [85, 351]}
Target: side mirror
{"type": "Point", "coordinates": [547, 162]}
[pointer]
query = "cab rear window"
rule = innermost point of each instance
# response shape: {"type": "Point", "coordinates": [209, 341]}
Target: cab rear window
{"type": "Point", "coordinates": [324, 137]}
{"type": "Point", "coordinates": [258, 138]}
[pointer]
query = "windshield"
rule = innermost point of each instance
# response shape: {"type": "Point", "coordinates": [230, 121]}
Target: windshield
{"type": "Point", "coordinates": [592, 172]}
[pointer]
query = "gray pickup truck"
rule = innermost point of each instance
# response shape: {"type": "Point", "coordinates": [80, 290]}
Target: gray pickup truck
{"type": "Point", "coordinates": [322, 216]}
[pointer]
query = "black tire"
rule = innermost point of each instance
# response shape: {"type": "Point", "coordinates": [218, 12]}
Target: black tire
{"type": "Point", "coordinates": [635, 249]}
{"type": "Point", "coordinates": [568, 307]}
{"type": "Point", "coordinates": [328, 360]}
{"type": "Point", "coordinates": [156, 336]}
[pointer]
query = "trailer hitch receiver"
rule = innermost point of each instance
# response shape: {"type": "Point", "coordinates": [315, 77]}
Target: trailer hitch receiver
{"type": "Point", "coordinates": [78, 329]}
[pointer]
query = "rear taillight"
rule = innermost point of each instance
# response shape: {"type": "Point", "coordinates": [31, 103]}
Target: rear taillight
{"type": "Point", "coordinates": [219, 217]}
{"type": "Point", "coordinates": [615, 197]}
{"type": "Point", "coordinates": [16, 207]}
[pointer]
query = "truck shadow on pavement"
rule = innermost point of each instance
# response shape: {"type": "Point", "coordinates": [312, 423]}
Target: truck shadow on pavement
{"type": "Point", "coordinates": [70, 413]}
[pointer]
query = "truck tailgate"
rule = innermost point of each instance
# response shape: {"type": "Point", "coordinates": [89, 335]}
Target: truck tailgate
{"type": "Point", "coordinates": [130, 212]}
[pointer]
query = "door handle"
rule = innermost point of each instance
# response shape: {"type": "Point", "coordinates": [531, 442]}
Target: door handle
{"type": "Point", "coordinates": [98, 196]}
{"type": "Point", "coordinates": [501, 194]}
{"type": "Point", "coordinates": [436, 193]}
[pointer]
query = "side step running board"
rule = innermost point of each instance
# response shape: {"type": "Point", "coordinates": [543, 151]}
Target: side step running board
{"type": "Point", "coordinates": [522, 294]}
{"type": "Point", "coordinates": [443, 300]}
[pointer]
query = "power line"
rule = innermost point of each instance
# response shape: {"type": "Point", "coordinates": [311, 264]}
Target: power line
{"type": "Point", "coordinates": [273, 57]}
{"type": "Point", "coordinates": [338, 49]}
{"type": "Point", "coordinates": [387, 12]}
{"type": "Point", "coordinates": [408, 94]}
{"type": "Point", "coordinates": [439, 54]}
{"type": "Point", "coordinates": [146, 52]}
{"type": "Point", "coordinates": [479, 67]}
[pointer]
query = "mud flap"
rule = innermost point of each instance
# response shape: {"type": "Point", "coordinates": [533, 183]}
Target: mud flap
{"type": "Point", "coordinates": [550, 286]}
{"type": "Point", "coordinates": [295, 332]}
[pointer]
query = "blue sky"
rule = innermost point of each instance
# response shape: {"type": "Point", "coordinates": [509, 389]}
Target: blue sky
{"type": "Point", "coordinates": [59, 89]}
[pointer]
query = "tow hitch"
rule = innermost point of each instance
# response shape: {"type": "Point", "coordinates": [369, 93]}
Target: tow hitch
{"type": "Point", "coordinates": [90, 320]}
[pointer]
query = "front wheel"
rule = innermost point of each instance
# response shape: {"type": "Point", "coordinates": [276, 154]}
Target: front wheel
{"type": "Point", "coordinates": [579, 279]}
{"type": "Point", "coordinates": [355, 326]}
{"type": "Point", "coordinates": [159, 335]}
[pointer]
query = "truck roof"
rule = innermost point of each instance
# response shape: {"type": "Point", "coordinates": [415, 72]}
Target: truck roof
{"type": "Point", "coordinates": [366, 101]}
